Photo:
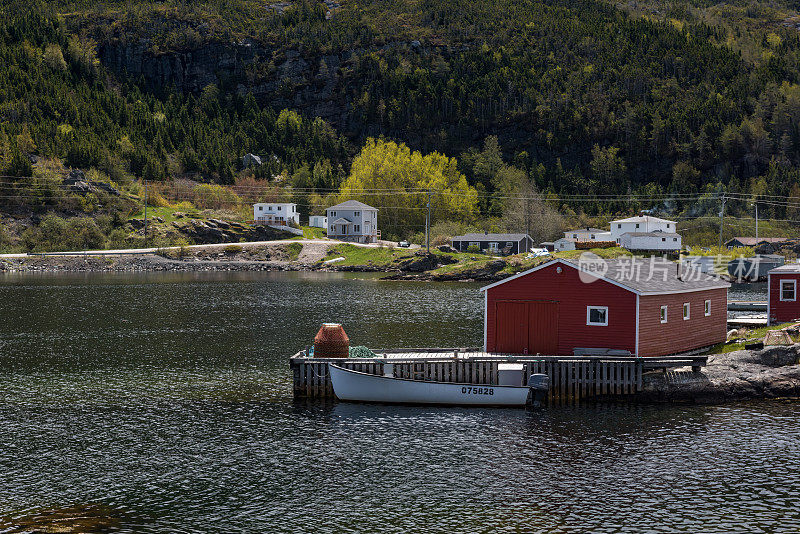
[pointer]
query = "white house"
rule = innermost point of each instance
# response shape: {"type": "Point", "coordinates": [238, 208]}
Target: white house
{"type": "Point", "coordinates": [353, 221]}
{"type": "Point", "coordinates": [661, 241]}
{"type": "Point", "coordinates": [276, 213]}
{"type": "Point", "coordinates": [318, 221]}
{"type": "Point", "coordinates": [565, 243]}
{"type": "Point", "coordinates": [641, 224]}
{"type": "Point", "coordinates": [589, 234]}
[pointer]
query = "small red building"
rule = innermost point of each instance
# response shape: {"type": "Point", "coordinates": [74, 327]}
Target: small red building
{"type": "Point", "coordinates": [643, 306]}
{"type": "Point", "coordinates": [782, 304]}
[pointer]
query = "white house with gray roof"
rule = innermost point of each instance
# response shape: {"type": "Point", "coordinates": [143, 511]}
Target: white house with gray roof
{"type": "Point", "coordinates": [641, 224]}
{"type": "Point", "coordinates": [276, 213]}
{"type": "Point", "coordinates": [353, 221]}
{"type": "Point", "coordinates": [650, 241]}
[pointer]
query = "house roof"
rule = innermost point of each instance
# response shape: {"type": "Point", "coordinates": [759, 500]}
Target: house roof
{"type": "Point", "coordinates": [788, 268]}
{"type": "Point", "coordinates": [274, 204]}
{"type": "Point", "coordinates": [652, 234]}
{"type": "Point", "coordinates": [571, 240]}
{"type": "Point", "coordinates": [654, 276]}
{"type": "Point", "coordinates": [593, 230]}
{"type": "Point", "coordinates": [753, 241]}
{"type": "Point", "coordinates": [352, 204]}
{"type": "Point", "coordinates": [490, 237]}
{"type": "Point", "coordinates": [342, 220]}
{"type": "Point", "coordinates": [643, 218]}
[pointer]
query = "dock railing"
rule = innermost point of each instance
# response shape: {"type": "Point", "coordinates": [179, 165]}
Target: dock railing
{"type": "Point", "coordinates": [572, 378]}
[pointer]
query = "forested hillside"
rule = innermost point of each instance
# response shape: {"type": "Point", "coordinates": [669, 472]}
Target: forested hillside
{"type": "Point", "coordinates": [560, 98]}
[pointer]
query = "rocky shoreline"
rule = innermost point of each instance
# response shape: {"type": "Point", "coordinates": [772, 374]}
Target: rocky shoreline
{"type": "Point", "coordinates": [771, 373]}
{"type": "Point", "coordinates": [224, 258]}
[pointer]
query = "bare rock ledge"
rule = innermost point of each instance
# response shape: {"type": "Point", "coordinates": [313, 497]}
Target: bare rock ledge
{"type": "Point", "coordinates": [769, 373]}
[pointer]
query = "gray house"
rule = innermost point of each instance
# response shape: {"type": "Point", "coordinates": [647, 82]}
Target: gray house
{"type": "Point", "coordinates": [353, 221]}
{"type": "Point", "coordinates": [494, 243]}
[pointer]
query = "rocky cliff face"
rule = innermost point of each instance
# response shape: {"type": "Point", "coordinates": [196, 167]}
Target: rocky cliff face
{"type": "Point", "coordinates": [281, 78]}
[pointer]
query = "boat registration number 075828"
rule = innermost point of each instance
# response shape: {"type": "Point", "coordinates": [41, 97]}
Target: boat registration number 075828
{"type": "Point", "coordinates": [469, 390]}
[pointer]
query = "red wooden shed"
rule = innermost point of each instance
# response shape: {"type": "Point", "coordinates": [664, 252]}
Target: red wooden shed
{"type": "Point", "coordinates": [643, 306]}
{"type": "Point", "coordinates": [782, 283]}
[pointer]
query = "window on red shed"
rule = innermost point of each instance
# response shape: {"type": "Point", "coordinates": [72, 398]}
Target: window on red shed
{"type": "Point", "coordinates": [788, 290]}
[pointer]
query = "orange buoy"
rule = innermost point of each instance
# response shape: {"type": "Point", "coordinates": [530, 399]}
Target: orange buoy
{"type": "Point", "coordinates": [331, 342]}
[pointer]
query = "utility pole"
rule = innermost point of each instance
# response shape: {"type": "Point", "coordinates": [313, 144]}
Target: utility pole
{"type": "Point", "coordinates": [756, 220]}
{"type": "Point", "coordinates": [428, 224]}
{"type": "Point", "coordinates": [145, 213]}
{"type": "Point", "coordinates": [721, 220]}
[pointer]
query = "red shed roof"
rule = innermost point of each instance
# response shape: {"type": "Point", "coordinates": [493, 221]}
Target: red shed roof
{"type": "Point", "coordinates": [652, 276]}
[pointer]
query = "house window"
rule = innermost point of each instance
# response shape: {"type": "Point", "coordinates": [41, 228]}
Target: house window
{"type": "Point", "coordinates": [474, 244]}
{"type": "Point", "coordinates": [509, 244]}
{"type": "Point", "coordinates": [685, 311]}
{"type": "Point", "coordinates": [663, 239]}
{"type": "Point", "coordinates": [494, 246]}
{"type": "Point", "coordinates": [356, 213]}
{"type": "Point", "coordinates": [261, 208]}
{"type": "Point", "coordinates": [279, 208]}
{"type": "Point", "coordinates": [574, 236]}
{"type": "Point", "coordinates": [663, 314]}
{"type": "Point", "coordinates": [788, 290]}
{"type": "Point", "coordinates": [675, 239]}
{"type": "Point", "coordinates": [637, 225]}
{"type": "Point", "coordinates": [592, 236]}
{"type": "Point", "coordinates": [333, 214]}
{"type": "Point", "coordinates": [707, 308]}
{"type": "Point", "coordinates": [356, 228]}
{"type": "Point", "coordinates": [597, 315]}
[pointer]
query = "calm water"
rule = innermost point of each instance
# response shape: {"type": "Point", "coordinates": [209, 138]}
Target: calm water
{"type": "Point", "coordinates": [167, 398]}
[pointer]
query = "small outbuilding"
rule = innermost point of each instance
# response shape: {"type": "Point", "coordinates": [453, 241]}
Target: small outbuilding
{"type": "Point", "coordinates": [565, 243]}
{"type": "Point", "coordinates": [318, 221]}
{"type": "Point", "coordinates": [783, 304]}
{"type": "Point", "coordinates": [645, 307]}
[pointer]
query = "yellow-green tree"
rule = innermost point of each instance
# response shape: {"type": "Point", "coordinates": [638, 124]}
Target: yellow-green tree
{"type": "Point", "coordinates": [398, 181]}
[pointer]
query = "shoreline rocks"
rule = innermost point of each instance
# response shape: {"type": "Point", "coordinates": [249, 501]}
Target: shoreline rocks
{"type": "Point", "coordinates": [772, 372]}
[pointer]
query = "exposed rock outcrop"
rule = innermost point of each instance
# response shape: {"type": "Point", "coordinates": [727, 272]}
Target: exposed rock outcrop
{"type": "Point", "coordinates": [768, 373]}
{"type": "Point", "coordinates": [425, 262]}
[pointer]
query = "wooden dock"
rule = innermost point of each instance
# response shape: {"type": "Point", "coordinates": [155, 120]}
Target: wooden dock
{"type": "Point", "coordinates": [747, 305]}
{"type": "Point", "coordinates": [753, 320]}
{"type": "Point", "coordinates": [572, 378]}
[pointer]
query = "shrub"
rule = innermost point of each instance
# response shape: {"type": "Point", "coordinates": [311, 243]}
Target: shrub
{"type": "Point", "coordinates": [440, 240]}
{"type": "Point", "coordinates": [473, 249]}
{"type": "Point", "coordinates": [294, 250]}
{"type": "Point", "coordinates": [55, 233]}
{"type": "Point", "coordinates": [209, 196]}
{"type": "Point", "coordinates": [232, 249]}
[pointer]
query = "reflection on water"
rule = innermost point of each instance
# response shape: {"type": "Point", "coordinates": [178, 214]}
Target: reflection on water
{"type": "Point", "coordinates": [167, 398]}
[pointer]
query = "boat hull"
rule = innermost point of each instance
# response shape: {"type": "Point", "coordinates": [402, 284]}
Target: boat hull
{"type": "Point", "coordinates": [363, 387]}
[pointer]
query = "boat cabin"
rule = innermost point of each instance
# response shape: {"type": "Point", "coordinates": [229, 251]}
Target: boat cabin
{"type": "Point", "coordinates": [632, 306]}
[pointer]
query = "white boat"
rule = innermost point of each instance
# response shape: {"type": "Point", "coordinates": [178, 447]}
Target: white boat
{"type": "Point", "coordinates": [351, 385]}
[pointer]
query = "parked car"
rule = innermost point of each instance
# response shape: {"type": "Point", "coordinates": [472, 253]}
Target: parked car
{"type": "Point", "coordinates": [404, 244]}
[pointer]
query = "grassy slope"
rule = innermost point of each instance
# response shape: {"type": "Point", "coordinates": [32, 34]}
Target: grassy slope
{"type": "Point", "coordinates": [751, 336]}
